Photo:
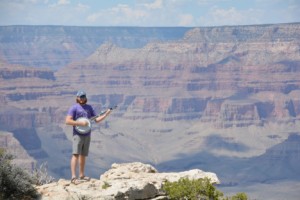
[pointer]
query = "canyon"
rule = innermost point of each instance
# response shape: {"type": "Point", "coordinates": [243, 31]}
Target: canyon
{"type": "Point", "coordinates": [221, 99]}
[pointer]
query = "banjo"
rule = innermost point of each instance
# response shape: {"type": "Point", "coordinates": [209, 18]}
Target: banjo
{"type": "Point", "coordinates": [85, 129]}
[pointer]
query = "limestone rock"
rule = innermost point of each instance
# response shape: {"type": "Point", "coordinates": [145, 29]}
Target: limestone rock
{"type": "Point", "coordinates": [123, 181]}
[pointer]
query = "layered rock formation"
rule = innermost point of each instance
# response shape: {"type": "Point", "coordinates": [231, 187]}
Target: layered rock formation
{"type": "Point", "coordinates": [56, 46]}
{"type": "Point", "coordinates": [13, 147]}
{"type": "Point", "coordinates": [210, 95]}
{"type": "Point", "coordinates": [238, 72]}
{"type": "Point", "coordinates": [122, 181]}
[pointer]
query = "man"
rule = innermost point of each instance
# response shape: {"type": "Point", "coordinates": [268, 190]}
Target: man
{"type": "Point", "coordinates": [81, 142]}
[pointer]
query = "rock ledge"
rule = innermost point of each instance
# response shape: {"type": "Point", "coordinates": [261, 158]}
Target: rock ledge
{"type": "Point", "coordinates": [123, 181]}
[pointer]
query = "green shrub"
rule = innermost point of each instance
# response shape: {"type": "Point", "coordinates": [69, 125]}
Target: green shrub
{"type": "Point", "coordinates": [191, 189]}
{"type": "Point", "coordinates": [240, 196]}
{"type": "Point", "coordinates": [197, 189]}
{"type": "Point", "coordinates": [15, 183]}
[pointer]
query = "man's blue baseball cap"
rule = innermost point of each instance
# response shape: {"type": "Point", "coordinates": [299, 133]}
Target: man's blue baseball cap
{"type": "Point", "coordinates": [81, 93]}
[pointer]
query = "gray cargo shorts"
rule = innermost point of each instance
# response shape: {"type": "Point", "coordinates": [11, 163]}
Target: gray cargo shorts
{"type": "Point", "coordinates": [81, 144]}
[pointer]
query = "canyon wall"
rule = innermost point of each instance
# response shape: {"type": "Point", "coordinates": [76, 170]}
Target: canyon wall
{"type": "Point", "coordinates": [202, 95]}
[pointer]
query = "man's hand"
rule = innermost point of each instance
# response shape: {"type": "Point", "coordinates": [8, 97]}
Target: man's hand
{"type": "Point", "coordinates": [82, 123]}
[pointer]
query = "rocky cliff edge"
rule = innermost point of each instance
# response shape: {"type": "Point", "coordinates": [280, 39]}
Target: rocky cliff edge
{"type": "Point", "coordinates": [123, 181]}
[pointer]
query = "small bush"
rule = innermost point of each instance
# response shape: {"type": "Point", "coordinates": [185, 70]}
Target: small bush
{"type": "Point", "coordinates": [200, 189]}
{"type": "Point", "coordinates": [40, 175]}
{"type": "Point", "coordinates": [240, 196]}
{"type": "Point", "coordinates": [15, 183]}
{"type": "Point", "coordinates": [191, 189]}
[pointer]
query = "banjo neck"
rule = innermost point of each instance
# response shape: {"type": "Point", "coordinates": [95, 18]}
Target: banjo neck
{"type": "Point", "coordinates": [102, 113]}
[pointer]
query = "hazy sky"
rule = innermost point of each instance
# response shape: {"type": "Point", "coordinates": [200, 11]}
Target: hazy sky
{"type": "Point", "coordinates": [148, 12]}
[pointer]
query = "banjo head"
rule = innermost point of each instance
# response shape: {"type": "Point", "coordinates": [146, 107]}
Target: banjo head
{"type": "Point", "coordinates": [83, 129]}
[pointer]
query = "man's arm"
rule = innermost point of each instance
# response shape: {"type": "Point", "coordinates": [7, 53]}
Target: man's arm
{"type": "Point", "coordinates": [70, 121]}
{"type": "Point", "coordinates": [102, 117]}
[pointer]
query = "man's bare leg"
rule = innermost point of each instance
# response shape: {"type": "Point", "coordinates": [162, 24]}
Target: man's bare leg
{"type": "Point", "coordinates": [74, 161]}
{"type": "Point", "coordinates": [81, 165]}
